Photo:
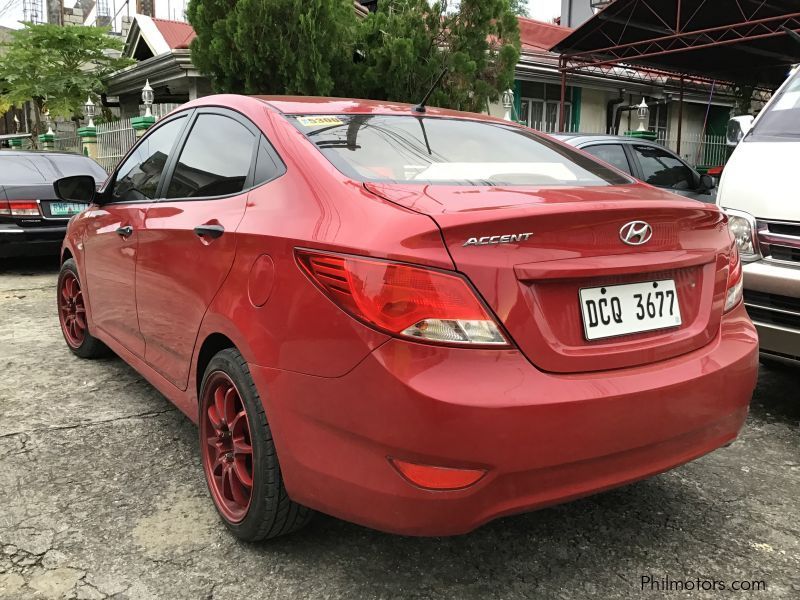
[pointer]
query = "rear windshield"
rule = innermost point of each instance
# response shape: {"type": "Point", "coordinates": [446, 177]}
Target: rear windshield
{"type": "Point", "coordinates": [396, 148]}
{"type": "Point", "coordinates": [78, 165]}
{"type": "Point", "coordinates": [44, 168]}
{"type": "Point", "coordinates": [19, 170]}
{"type": "Point", "coordinates": [781, 119]}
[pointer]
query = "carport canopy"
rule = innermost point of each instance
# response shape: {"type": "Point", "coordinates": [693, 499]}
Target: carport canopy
{"type": "Point", "coordinates": [735, 42]}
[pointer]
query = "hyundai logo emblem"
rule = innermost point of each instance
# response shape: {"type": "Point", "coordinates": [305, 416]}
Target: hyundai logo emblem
{"type": "Point", "coordinates": [636, 233]}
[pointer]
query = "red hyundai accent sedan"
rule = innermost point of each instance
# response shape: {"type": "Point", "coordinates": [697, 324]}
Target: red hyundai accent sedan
{"type": "Point", "coordinates": [416, 321]}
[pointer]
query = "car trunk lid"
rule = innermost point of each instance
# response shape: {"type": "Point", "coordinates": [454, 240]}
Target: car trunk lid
{"type": "Point", "coordinates": [529, 252]}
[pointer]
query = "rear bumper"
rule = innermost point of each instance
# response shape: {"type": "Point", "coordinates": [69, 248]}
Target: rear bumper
{"type": "Point", "coordinates": [31, 241]}
{"type": "Point", "coordinates": [778, 330]}
{"type": "Point", "coordinates": [543, 438]}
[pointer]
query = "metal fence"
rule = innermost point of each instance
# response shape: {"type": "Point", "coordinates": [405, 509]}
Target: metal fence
{"type": "Point", "coordinates": [66, 142]}
{"type": "Point", "coordinates": [699, 150]}
{"type": "Point", "coordinates": [696, 149]}
{"type": "Point", "coordinates": [114, 139]}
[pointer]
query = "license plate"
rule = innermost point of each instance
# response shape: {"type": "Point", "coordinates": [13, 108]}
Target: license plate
{"type": "Point", "coordinates": [65, 209]}
{"type": "Point", "coordinates": [616, 310]}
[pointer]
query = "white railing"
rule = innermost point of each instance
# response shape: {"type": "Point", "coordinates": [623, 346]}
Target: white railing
{"type": "Point", "coordinates": [114, 139]}
{"type": "Point", "coordinates": [697, 149]}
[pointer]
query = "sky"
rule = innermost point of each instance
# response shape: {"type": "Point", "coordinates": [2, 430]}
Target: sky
{"type": "Point", "coordinates": [544, 10]}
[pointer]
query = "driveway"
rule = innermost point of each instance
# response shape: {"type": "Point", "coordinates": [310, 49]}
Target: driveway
{"type": "Point", "coordinates": [102, 496]}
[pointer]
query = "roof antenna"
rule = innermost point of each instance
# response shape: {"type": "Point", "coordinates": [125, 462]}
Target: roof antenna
{"type": "Point", "coordinates": [420, 108]}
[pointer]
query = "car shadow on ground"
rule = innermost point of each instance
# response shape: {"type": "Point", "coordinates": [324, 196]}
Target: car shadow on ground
{"type": "Point", "coordinates": [777, 398]}
{"type": "Point", "coordinates": [40, 265]}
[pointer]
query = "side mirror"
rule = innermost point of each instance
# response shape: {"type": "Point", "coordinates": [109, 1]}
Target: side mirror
{"type": "Point", "coordinates": [707, 183]}
{"type": "Point", "coordinates": [76, 188]}
{"type": "Point", "coordinates": [738, 128]}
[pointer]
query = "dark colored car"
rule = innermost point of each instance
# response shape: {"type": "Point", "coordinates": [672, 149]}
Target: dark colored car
{"type": "Point", "coordinates": [416, 322]}
{"type": "Point", "coordinates": [648, 161]}
{"type": "Point", "coordinates": [32, 220]}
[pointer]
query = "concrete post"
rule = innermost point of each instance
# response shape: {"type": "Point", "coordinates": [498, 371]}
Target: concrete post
{"type": "Point", "coordinates": [88, 137]}
{"type": "Point", "coordinates": [142, 124]}
{"type": "Point", "coordinates": [48, 141]}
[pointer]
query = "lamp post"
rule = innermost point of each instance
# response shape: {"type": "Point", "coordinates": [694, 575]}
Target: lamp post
{"type": "Point", "coordinates": [47, 140]}
{"type": "Point", "coordinates": [89, 109]}
{"type": "Point", "coordinates": [15, 142]}
{"type": "Point", "coordinates": [48, 121]}
{"type": "Point", "coordinates": [508, 103]}
{"type": "Point", "coordinates": [642, 111]}
{"type": "Point", "coordinates": [147, 98]}
{"type": "Point", "coordinates": [143, 123]}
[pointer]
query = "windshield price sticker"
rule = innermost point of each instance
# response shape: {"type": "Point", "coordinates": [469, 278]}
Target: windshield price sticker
{"type": "Point", "coordinates": [319, 121]}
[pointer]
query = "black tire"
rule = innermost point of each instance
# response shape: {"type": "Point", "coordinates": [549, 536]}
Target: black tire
{"type": "Point", "coordinates": [88, 346]}
{"type": "Point", "coordinates": [271, 512]}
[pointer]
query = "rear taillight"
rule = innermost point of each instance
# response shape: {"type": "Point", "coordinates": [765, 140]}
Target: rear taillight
{"type": "Point", "coordinates": [735, 279]}
{"type": "Point", "coordinates": [404, 300]}
{"type": "Point", "coordinates": [19, 208]}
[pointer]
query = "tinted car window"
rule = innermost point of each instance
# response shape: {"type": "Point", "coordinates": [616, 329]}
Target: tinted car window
{"type": "Point", "coordinates": [662, 169]}
{"type": "Point", "coordinates": [448, 151]}
{"type": "Point", "coordinates": [268, 166]}
{"type": "Point", "coordinates": [140, 174]}
{"type": "Point", "coordinates": [19, 169]}
{"type": "Point", "coordinates": [613, 154]}
{"type": "Point", "coordinates": [215, 160]}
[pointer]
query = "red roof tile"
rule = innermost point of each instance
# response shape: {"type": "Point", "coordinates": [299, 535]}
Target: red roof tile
{"type": "Point", "coordinates": [538, 35]}
{"type": "Point", "coordinates": [177, 34]}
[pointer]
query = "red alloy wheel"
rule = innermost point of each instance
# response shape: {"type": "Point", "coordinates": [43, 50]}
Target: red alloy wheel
{"type": "Point", "coordinates": [71, 310]}
{"type": "Point", "coordinates": [228, 450]}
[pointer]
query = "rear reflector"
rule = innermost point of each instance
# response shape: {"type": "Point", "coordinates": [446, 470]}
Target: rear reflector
{"type": "Point", "coordinates": [404, 300]}
{"type": "Point", "coordinates": [19, 208]}
{"type": "Point", "coordinates": [437, 478]}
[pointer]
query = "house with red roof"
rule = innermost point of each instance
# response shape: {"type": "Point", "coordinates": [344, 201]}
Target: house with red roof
{"type": "Point", "coordinates": [161, 48]}
{"type": "Point", "coordinates": [590, 99]}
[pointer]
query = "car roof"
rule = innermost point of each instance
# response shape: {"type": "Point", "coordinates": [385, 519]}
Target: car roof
{"type": "Point", "coordinates": [576, 139]}
{"type": "Point", "coordinates": [39, 153]}
{"type": "Point", "coordinates": [319, 105]}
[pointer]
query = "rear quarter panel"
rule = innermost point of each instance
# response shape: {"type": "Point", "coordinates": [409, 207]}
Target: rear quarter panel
{"type": "Point", "coordinates": [312, 205]}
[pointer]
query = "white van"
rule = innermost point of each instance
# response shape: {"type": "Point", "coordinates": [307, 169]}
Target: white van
{"type": "Point", "coordinates": [760, 191]}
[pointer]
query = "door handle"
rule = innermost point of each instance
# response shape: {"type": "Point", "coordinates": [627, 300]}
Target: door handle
{"type": "Point", "coordinates": [124, 231]}
{"type": "Point", "coordinates": [211, 231]}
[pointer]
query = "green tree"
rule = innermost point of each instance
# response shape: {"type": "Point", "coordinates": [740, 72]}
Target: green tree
{"type": "Point", "coordinates": [273, 46]}
{"type": "Point", "coordinates": [406, 44]}
{"type": "Point", "coordinates": [519, 7]}
{"type": "Point", "coordinates": [57, 68]}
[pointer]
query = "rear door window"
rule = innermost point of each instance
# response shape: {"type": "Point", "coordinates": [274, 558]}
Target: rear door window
{"type": "Point", "coordinates": [216, 159]}
{"type": "Point", "coordinates": [663, 169]}
{"type": "Point", "coordinates": [613, 154]}
{"type": "Point", "coordinates": [140, 174]}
